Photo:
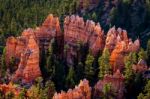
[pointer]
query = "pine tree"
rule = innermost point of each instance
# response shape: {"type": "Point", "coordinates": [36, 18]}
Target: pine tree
{"type": "Point", "coordinates": [104, 65]}
{"type": "Point", "coordinates": [89, 70]}
{"type": "Point", "coordinates": [49, 89]}
{"type": "Point", "coordinates": [13, 26]}
{"type": "Point", "coordinates": [70, 79]}
{"type": "Point", "coordinates": [128, 72]}
{"type": "Point", "coordinates": [94, 16]}
{"type": "Point", "coordinates": [107, 91]}
{"type": "Point", "coordinates": [22, 94]}
{"type": "Point", "coordinates": [146, 92]}
{"type": "Point", "coordinates": [50, 63]}
{"type": "Point", "coordinates": [142, 55]}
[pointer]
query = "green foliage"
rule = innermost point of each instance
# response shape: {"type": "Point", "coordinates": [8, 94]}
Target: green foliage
{"type": "Point", "coordinates": [50, 64]}
{"type": "Point", "coordinates": [17, 15]}
{"type": "Point", "coordinates": [49, 89]}
{"type": "Point", "coordinates": [89, 70]}
{"type": "Point", "coordinates": [22, 94]}
{"type": "Point", "coordinates": [107, 92]}
{"type": "Point", "coordinates": [146, 92]}
{"type": "Point", "coordinates": [94, 17]}
{"type": "Point", "coordinates": [104, 65]}
{"type": "Point", "coordinates": [71, 78]}
{"type": "Point", "coordinates": [142, 54]}
{"type": "Point", "coordinates": [128, 72]}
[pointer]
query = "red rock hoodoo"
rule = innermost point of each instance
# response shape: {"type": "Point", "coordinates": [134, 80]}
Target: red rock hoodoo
{"type": "Point", "coordinates": [82, 91]}
{"type": "Point", "coordinates": [26, 48]}
{"type": "Point", "coordinates": [117, 85]}
{"type": "Point", "coordinates": [119, 46]}
{"type": "Point", "coordinates": [77, 31]}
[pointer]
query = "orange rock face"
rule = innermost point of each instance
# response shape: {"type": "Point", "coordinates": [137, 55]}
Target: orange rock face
{"type": "Point", "coordinates": [117, 85]}
{"type": "Point", "coordinates": [82, 91]}
{"type": "Point", "coordinates": [26, 48]}
{"type": "Point", "coordinates": [77, 31]}
{"type": "Point", "coordinates": [119, 46]}
{"type": "Point", "coordinates": [29, 69]}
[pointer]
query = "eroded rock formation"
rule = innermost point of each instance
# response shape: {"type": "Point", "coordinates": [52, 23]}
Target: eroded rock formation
{"type": "Point", "coordinates": [77, 31]}
{"type": "Point", "coordinates": [119, 46]}
{"type": "Point", "coordinates": [117, 85]}
{"type": "Point", "coordinates": [82, 91]}
{"type": "Point", "coordinates": [28, 68]}
{"type": "Point", "coordinates": [26, 48]}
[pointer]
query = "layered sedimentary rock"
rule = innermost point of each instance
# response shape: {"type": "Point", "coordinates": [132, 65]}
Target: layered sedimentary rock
{"type": "Point", "coordinates": [82, 91]}
{"type": "Point", "coordinates": [119, 46]}
{"type": "Point", "coordinates": [117, 85]}
{"type": "Point", "coordinates": [28, 68]}
{"type": "Point", "coordinates": [26, 48]}
{"type": "Point", "coordinates": [77, 31]}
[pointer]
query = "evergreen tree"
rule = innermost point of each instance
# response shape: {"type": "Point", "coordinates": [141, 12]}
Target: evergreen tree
{"type": "Point", "coordinates": [94, 16]}
{"type": "Point", "coordinates": [22, 94]}
{"type": "Point", "coordinates": [104, 65]}
{"type": "Point", "coordinates": [107, 91]}
{"type": "Point", "coordinates": [128, 72]}
{"type": "Point", "coordinates": [13, 26]}
{"type": "Point", "coordinates": [50, 64]}
{"type": "Point", "coordinates": [142, 55]}
{"type": "Point", "coordinates": [36, 90]}
{"type": "Point", "coordinates": [89, 70]}
{"type": "Point", "coordinates": [50, 89]}
{"type": "Point", "coordinates": [71, 78]}
{"type": "Point", "coordinates": [146, 92]}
